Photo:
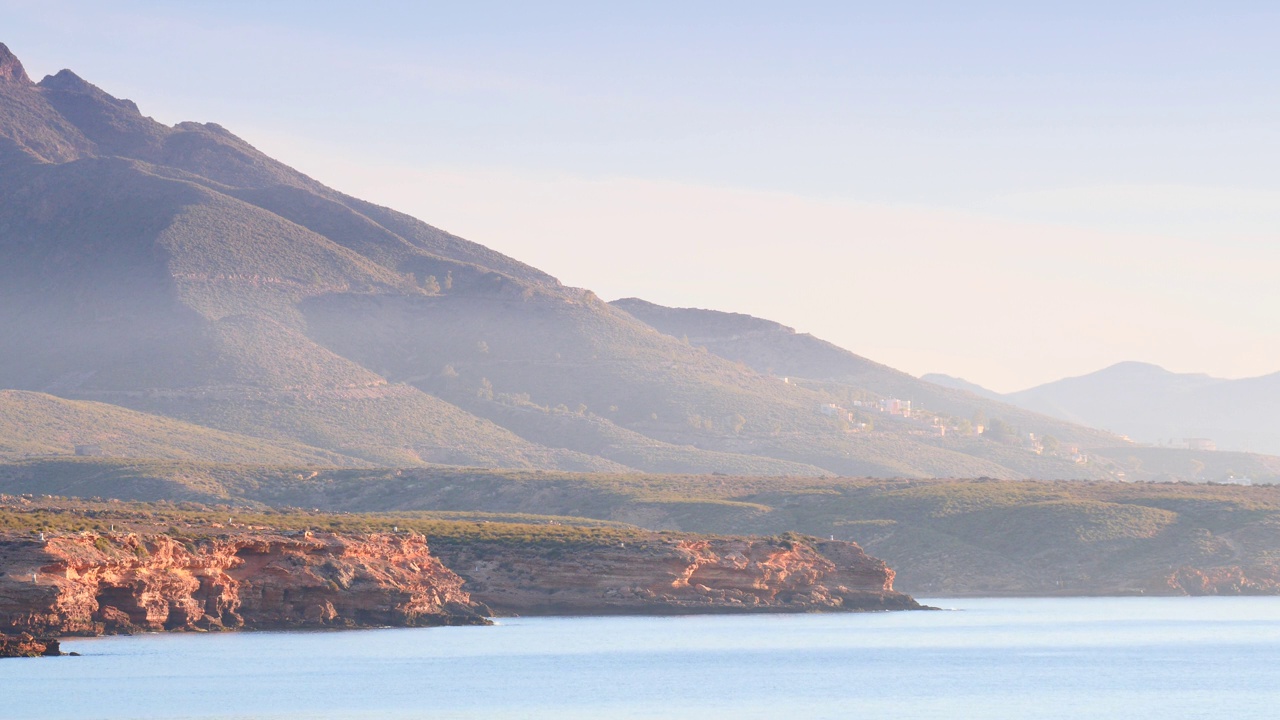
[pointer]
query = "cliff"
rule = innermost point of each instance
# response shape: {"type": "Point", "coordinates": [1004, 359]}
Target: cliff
{"type": "Point", "coordinates": [93, 583]}
{"type": "Point", "coordinates": [665, 575]}
{"type": "Point", "coordinates": [89, 583]}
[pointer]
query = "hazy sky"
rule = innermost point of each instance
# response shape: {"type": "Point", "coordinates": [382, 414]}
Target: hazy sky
{"type": "Point", "coordinates": [1007, 193]}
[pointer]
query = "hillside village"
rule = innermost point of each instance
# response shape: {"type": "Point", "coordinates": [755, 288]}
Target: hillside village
{"type": "Point", "coordinates": [858, 418]}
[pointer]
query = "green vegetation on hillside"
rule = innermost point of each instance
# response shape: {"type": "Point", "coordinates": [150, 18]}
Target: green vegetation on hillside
{"type": "Point", "coordinates": [941, 536]}
{"type": "Point", "coordinates": [35, 424]}
{"type": "Point", "coordinates": [50, 514]}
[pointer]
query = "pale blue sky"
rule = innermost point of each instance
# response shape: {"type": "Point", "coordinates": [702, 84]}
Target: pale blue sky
{"type": "Point", "coordinates": [1005, 192]}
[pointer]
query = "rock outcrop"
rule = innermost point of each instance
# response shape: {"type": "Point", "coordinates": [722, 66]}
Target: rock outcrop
{"type": "Point", "coordinates": [90, 584]}
{"type": "Point", "coordinates": [1230, 580]}
{"type": "Point", "coordinates": [11, 69]}
{"type": "Point", "coordinates": [664, 575]}
{"type": "Point", "coordinates": [25, 645]}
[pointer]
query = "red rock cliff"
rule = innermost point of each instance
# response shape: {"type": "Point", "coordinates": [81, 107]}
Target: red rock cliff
{"type": "Point", "coordinates": [664, 575]}
{"type": "Point", "coordinates": [87, 584]}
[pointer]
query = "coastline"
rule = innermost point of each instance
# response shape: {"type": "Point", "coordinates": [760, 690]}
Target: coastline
{"type": "Point", "coordinates": [91, 584]}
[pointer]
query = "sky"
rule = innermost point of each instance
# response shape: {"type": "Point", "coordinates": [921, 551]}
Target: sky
{"type": "Point", "coordinates": [1003, 192]}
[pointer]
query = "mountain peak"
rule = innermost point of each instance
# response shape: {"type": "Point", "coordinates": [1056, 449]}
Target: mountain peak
{"type": "Point", "coordinates": [67, 81]}
{"type": "Point", "coordinates": [1136, 366]}
{"type": "Point", "coordinates": [11, 69]}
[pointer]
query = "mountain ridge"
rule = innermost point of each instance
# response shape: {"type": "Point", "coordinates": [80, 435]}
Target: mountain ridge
{"type": "Point", "coordinates": [177, 270]}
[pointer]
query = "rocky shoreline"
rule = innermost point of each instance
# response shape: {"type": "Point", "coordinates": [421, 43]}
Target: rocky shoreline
{"type": "Point", "coordinates": [27, 645]}
{"type": "Point", "coordinates": [88, 584]}
{"type": "Point", "coordinates": [672, 576]}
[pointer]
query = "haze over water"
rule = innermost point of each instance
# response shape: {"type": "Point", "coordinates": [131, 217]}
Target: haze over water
{"type": "Point", "coordinates": [1007, 658]}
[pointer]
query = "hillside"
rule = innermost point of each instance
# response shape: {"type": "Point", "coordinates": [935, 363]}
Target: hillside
{"type": "Point", "coordinates": [39, 425]}
{"type": "Point", "coordinates": [779, 350]}
{"type": "Point", "coordinates": [853, 382]}
{"type": "Point", "coordinates": [1144, 402]}
{"type": "Point", "coordinates": [956, 383]}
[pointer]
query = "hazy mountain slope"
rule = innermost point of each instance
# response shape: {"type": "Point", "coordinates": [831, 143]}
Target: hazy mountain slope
{"type": "Point", "coordinates": [1242, 414]}
{"type": "Point", "coordinates": [242, 240]}
{"type": "Point", "coordinates": [84, 290]}
{"type": "Point", "coordinates": [553, 349]}
{"type": "Point", "coordinates": [956, 383]}
{"type": "Point", "coordinates": [36, 424]}
{"type": "Point", "coordinates": [779, 350]}
{"type": "Point", "coordinates": [1114, 397]}
{"type": "Point", "coordinates": [1162, 464]}
{"type": "Point", "coordinates": [1154, 405]}
{"type": "Point", "coordinates": [170, 282]}
{"type": "Point", "coordinates": [141, 290]}
{"type": "Point", "coordinates": [592, 434]}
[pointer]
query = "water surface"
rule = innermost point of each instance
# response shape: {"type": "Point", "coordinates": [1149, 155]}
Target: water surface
{"type": "Point", "coordinates": [1005, 658]}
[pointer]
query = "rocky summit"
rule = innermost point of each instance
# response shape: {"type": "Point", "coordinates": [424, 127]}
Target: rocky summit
{"type": "Point", "coordinates": [11, 69]}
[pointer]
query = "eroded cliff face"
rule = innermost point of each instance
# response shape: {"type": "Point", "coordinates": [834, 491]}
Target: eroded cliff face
{"type": "Point", "coordinates": [668, 576]}
{"type": "Point", "coordinates": [89, 584]}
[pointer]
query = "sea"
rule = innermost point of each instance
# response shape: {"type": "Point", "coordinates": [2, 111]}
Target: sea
{"type": "Point", "coordinates": [975, 658]}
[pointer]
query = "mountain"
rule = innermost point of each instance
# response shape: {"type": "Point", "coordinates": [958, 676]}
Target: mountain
{"type": "Point", "coordinates": [180, 272]}
{"type": "Point", "coordinates": [1153, 405]}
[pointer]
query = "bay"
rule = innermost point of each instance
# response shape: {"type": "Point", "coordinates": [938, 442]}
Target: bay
{"type": "Point", "coordinates": [979, 658]}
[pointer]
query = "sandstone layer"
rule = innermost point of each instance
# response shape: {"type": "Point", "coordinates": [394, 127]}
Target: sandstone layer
{"type": "Point", "coordinates": [90, 584]}
{"type": "Point", "coordinates": [665, 575]}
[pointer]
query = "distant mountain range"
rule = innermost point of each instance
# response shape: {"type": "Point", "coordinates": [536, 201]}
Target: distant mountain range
{"type": "Point", "coordinates": [182, 274]}
{"type": "Point", "coordinates": [1152, 405]}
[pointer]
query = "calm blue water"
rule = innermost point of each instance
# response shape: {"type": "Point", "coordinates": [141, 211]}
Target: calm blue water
{"type": "Point", "coordinates": [1008, 658]}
